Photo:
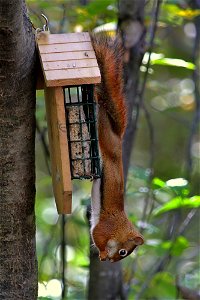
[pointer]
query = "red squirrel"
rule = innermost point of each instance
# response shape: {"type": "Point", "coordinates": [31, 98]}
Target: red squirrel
{"type": "Point", "coordinates": [112, 233]}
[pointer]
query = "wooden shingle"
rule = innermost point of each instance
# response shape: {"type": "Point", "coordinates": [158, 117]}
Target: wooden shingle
{"type": "Point", "coordinates": [68, 59]}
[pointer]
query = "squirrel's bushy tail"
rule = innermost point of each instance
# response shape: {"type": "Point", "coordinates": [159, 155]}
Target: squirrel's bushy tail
{"type": "Point", "coordinates": [109, 92]}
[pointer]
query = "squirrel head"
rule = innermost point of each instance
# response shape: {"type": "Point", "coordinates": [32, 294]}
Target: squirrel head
{"type": "Point", "coordinates": [115, 236]}
{"type": "Point", "coordinates": [116, 250]}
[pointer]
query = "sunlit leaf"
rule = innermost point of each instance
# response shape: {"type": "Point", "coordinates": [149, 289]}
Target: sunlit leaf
{"type": "Point", "coordinates": [159, 59]}
{"type": "Point", "coordinates": [179, 186]}
{"type": "Point", "coordinates": [82, 11]}
{"type": "Point", "coordinates": [175, 62]}
{"type": "Point", "coordinates": [178, 202]}
{"type": "Point", "coordinates": [189, 13]}
{"type": "Point", "coordinates": [170, 14]}
{"type": "Point", "coordinates": [154, 57]}
{"type": "Point", "coordinates": [110, 27]}
{"type": "Point", "coordinates": [172, 8]}
{"type": "Point", "coordinates": [157, 182]}
{"type": "Point", "coordinates": [177, 182]}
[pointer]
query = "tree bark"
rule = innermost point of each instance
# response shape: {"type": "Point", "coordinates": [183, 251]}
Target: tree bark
{"type": "Point", "coordinates": [18, 267]}
{"type": "Point", "coordinates": [131, 25]}
{"type": "Point", "coordinates": [105, 280]}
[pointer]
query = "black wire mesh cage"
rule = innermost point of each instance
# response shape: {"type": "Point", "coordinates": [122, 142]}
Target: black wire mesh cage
{"type": "Point", "coordinates": [81, 121]}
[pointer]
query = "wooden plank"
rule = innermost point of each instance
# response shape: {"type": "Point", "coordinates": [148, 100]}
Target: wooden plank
{"type": "Point", "coordinates": [60, 163]}
{"type": "Point", "coordinates": [70, 64]}
{"type": "Point", "coordinates": [72, 76]}
{"type": "Point", "coordinates": [68, 55]}
{"type": "Point", "coordinates": [44, 39]}
{"type": "Point", "coordinates": [70, 47]}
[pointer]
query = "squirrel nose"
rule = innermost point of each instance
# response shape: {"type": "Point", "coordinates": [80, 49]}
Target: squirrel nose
{"type": "Point", "coordinates": [103, 259]}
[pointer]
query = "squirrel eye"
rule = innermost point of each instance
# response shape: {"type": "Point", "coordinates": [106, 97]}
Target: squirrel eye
{"type": "Point", "coordinates": [122, 252]}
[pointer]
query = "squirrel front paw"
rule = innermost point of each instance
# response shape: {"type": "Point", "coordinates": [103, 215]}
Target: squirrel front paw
{"type": "Point", "coordinates": [103, 255]}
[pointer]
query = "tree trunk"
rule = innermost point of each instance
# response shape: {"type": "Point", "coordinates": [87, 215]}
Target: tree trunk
{"type": "Point", "coordinates": [18, 267]}
{"type": "Point", "coordinates": [105, 281]}
{"type": "Point", "coordinates": [131, 25]}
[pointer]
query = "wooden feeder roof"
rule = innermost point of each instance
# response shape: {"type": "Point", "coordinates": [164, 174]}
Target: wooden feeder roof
{"type": "Point", "coordinates": [68, 59]}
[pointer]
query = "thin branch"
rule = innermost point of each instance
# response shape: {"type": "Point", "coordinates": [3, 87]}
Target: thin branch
{"type": "Point", "coordinates": [63, 255]}
{"type": "Point", "coordinates": [45, 147]}
{"type": "Point", "coordinates": [151, 160]}
{"type": "Point", "coordinates": [63, 19]}
{"type": "Point", "coordinates": [187, 220]}
{"type": "Point", "coordinates": [156, 9]}
{"type": "Point", "coordinates": [35, 13]}
{"type": "Point", "coordinates": [196, 116]}
{"type": "Point", "coordinates": [140, 104]}
{"type": "Point", "coordinates": [152, 32]}
{"type": "Point", "coordinates": [153, 29]}
{"type": "Point", "coordinates": [47, 246]}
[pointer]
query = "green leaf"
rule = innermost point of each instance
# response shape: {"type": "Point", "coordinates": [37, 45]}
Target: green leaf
{"type": "Point", "coordinates": [154, 57]}
{"type": "Point", "coordinates": [179, 246]}
{"type": "Point", "coordinates": [158, 183]}
{"type": "Point", "coordinates": [177, 182]}
{"type": "Point", "coordinates": [175, 248]}
{"type": "Point", "coordinates": [178, 202]}
{"type": "Point", "coordinates": [174, 62]}
{"type": "Point", "coordinates": [179, 186]}
{"type": "Point", "coordinates": [159, 59]}
{"type": "Point", "coordinates": [189, 13]}
{"type": "Point", "coordinates": [162, 284]}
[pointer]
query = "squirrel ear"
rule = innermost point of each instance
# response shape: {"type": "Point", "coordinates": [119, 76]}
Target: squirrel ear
{"type": "Point", "coordinates": [137, 239]}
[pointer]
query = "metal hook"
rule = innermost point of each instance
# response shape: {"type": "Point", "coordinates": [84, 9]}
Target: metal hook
{"type": "Point", "coordinates": [46, 26]}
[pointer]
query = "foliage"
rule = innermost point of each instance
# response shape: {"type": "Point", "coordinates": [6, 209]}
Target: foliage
{"type": "Point", "coordinates": [175, 15]}
{"type": "Point", "coordinates": [178, 202]}
{"type": "Point", "coordinates": [164, 207]}
{"type": "Point", "coordinates": [165, 61]}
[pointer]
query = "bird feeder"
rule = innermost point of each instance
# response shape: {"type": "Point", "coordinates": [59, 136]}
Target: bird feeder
{"type": "Point", "coordinates": [69, 71]}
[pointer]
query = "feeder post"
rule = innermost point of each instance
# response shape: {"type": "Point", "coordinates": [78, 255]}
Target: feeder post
{"type": "Point", "coordinates": [60, 164]}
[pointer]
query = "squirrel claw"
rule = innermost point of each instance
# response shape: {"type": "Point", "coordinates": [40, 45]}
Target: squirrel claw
{"type": "Point", "coordinates": [103, 255]}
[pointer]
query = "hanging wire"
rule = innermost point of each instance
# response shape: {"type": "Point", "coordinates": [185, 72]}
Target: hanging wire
{"type": "Point", "coordinates": [63, 256]}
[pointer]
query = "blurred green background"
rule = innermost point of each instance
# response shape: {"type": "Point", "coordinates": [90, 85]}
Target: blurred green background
{"type": "Point", "coordinates": [173, 192]}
